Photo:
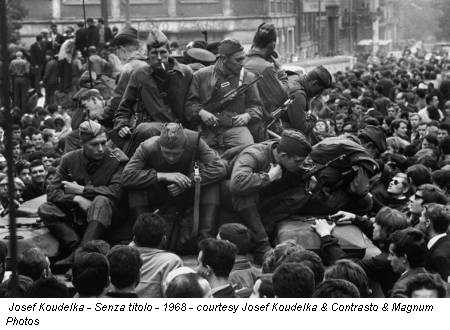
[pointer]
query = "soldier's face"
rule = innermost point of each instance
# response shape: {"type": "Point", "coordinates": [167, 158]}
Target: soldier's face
{"type": "Point", "coordinates": [38, 173]}
{"type": "Point", "coordinates": [291, 164]}
{"type": "Point", "coordinates": [95, 108]}
{"type": "Point", "coordinates": [95, 149]}
{"type": "Point", "coordinates": [171, 156]}
{"type": "Point", "coordinates": [158, 57]}
{"type": "Point", "coordinates": [235, 62]}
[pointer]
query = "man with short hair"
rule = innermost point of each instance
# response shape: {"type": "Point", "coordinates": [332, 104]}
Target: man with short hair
{"type": "Point", "coordinates": [400, 130]}
{"type": "Point", "coordinates": [398, 190]}
{"type": "Point", "coordinates": [86, 188]}
{"type": "Point", "coordinates": [227, 126]}
{"type": "Point", "coordinates": [293, 280]}
{"type": "Point", "coordinates": [37, 186]}
{"type": "Point", "coordinates": [34, 264]}
{"type": "Point", "coordinates": [149, 237]}
{"type": "Point", "coordinates": [124, 270]}
{"type": "Point", "coordinates": [160, 175]}
{"type": "Point", "coordinates": [155, 94]}
{"type": "Point", "coordinates": [216, 259]}
{"type": "Point", "coordinates": [437, 222]}
{"type": "Point", "coordinates": [407, 253]}
{"type": "Point", "coordinates": [262, 171]}
{"type": "Point", "coordinates": [19, 69]}
{"type": "Point", "coordinates": [37, 140]}
{"type": "Point", "coordinates": [426, 286]}
{"type": "Point", "coordinates": [244, 274]}
{"type": "Point", "coordinates": [90, 275]}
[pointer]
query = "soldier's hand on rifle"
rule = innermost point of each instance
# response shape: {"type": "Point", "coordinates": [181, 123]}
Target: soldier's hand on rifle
{"type": "Point", "coordinates": [72, 188]}
{"type": "Point", "coordinates": [124, 132]}
{"type": "Point", "coordinates": [322, 227]}
{"type": "Point", "coordinates": [178, 178]}
{"type": "Point", "coordinates": [241, 120]}
{"type": "Point", "coordinates": [82, 202]}
{"type": "Point", "coordinates": [343, 218]}
{"type": "Point", "coordinates": [175, 190]}
{"type": "Point", "coordinates": [208, 118]}
{"type": "Point", "coordinates": [275, 172]}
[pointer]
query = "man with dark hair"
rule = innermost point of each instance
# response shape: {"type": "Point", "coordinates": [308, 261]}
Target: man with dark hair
{"type": "Point", "coordinates": [262, 171]}
{"type": "Point", "coordinates": [90, 275]}
{"type": "Point", "coordinates": [226, 127]}
{"type": "Point", "coordinates": [149, 236]}
{"type": "Point", "coordinates": [87, 185]}
{"type": "Point", "coordinates": [50, 78]}
{"type": "Point", "coordinates": [399, 128]}
{"type": "Point", "coordinates": [38, 186]}
{"type": "Point", "coordinates": [445, 148]}
{"type": "Point", "coordinates": [190, 285]}
{"type": "Point", "coordinates": [407, 253]}
{"type": "Point", "coordinates": [425, 194]}
{"type": "Point", "coordinates": [37, 139]}
{"type": "Point", "coordinates": [426, 286]}
{"type": "Point", "coordinates": [216, 259]}
{"type": "Point", "coordinates": [309, 259]}
{"type": "Point", "coordinates": [352, 272]}
{"type": "Point", "coordinates": [34, 264]}
{"type": "Point", "coordinates": [104, 34]}
{"type": "Point", "coordinates": [160, 175]}
{"type": "Point", "coordinates": [243, 275]}
{"type": "Point", "coordinates": [124, 270]}
{"type": "Point", "coordinates": [155, 94]}
{"type": "Point", "coordinates": [437, 222]}
{"type": "Point", "coordinates": [444, 131]}
{"type": "Point", "coordinates": [37, 61]}
{"type": "Point", "coordinates": [336, 288]}
{"type": "Point", "coordinates": [293, 280]}
{"type": "Point", "coordinates": [263, 287]}
{"type": "Point", "coordinates": [49, 287]}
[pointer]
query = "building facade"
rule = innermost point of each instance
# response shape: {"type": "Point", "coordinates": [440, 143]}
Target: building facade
{"type": "Point", "coordinates": [181, 20]}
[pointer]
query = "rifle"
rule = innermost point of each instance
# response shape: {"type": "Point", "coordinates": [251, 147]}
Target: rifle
{"type": "Point", "coordinates": [215, 105]}
{"type": "Point", "coordinates": [277, 113]}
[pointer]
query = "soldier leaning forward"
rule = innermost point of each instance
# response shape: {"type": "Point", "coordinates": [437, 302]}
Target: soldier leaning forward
{"type": "Point", "coordinates": [160, 176]}
{"type": "Point", "coordinates": [85, 194]}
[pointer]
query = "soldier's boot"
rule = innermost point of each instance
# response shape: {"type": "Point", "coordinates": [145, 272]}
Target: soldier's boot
{"type": "Point", "coordinates": [68, 239]}
{"type": "Point", "coordinates": [207, 226]}
{"type": "Point", "coordinates": [250, 217]}
{"type": "Point", "coordinates": [94, 230]}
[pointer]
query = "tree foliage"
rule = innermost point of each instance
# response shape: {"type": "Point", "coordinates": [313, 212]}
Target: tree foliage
{"type": "Point", "coordinates": [16, 12]}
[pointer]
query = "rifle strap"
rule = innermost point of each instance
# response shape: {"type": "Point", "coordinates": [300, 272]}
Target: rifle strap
{"type": "Point", "coordinates": [197, 181]}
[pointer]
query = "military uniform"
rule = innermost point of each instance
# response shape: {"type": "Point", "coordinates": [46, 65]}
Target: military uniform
{"type": "Point", "coordinates": [102, 185]}
{"type": "Point", "coordinates": [146, 193]}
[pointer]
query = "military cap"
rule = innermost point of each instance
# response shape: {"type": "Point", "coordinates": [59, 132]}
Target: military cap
{"type": "Point", "coordinates": [89, 130]}
{"type": "Point", "coordinates": [157, 39]}
{"type": "Point", "coordinates": [228, 47]}
{"type": "Point", "coordinates": [265, 34]}
{"type": "Point", "coordinates": [201, 55]}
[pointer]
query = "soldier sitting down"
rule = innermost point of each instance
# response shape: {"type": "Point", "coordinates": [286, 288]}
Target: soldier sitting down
{"type": "Point", "coordinates": [84, 196]}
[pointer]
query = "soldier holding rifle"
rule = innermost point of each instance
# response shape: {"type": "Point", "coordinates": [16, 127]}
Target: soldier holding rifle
{"type": "Point", "coordinates": [225, 126]}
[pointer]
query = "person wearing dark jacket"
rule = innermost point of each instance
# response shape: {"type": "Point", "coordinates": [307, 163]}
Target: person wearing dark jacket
{"type": "Point", "coordinates": [81, 38]}
{"type": "Point", "coordinates": [92, 34]}
{"type": "Point", "coordinates": [38, 186]}
{"type": "Point", "coordinates": [378, 267]}
{"type": "Point", "coordinates": [37, 61]}
{"type": "Point", "coordinates": [50, 78]}
{"type": "Point", "coordinates": [437, 222]}
{"type": "Point", "coordinates": [85, 193]}
{"type": "Point", "coordinates": [155, 94]}
{"type": "Point", "coordinates": [160, 175]}
{"type": "Point", "coordinates": [273, 87]}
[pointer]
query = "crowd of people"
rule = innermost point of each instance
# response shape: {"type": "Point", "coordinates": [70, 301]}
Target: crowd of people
{"type": "Point", "coordinates": [147, 158]}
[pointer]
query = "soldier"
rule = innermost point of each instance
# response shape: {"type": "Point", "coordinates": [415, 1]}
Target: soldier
{"type": "Point", "coordinates": [160, 175]}
{"type": "Point", "coordinates": [303, 90]}
{"type": "Point", "coordinates": [85, 192]}
{"type": "Point", "coordinates": [226, 127]}
{"type": "Point", "coordinates": [265, 170]}
{"type": "Point", "coordinates": [159, 92]}
{"type": "Point", "coordinates": [273, 87]}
